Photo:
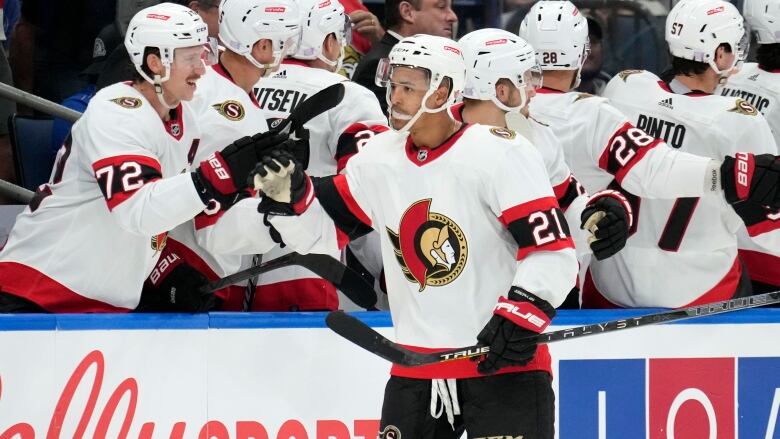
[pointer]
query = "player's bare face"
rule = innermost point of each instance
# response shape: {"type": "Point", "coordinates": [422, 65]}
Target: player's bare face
{"type": "Point", "coordinates": [187, 68]}
{"type": "Point", "coordinates": [407, 89]}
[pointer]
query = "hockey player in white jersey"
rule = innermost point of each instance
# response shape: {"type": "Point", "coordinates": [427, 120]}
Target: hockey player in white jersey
{"type": "Point", "coordinates": [607, 151]}
{"type": "Point", "coordinates": [759, 84]}
{"type": "Point", "coordinates": [333, 138]}
{"type": "Point", "coordinates": [502, 77]}
{"type": "Point", "coordinates": [122, 180]}
{"type": "Point", "coordinates": [257, 35]}
{"type": "Point", "coordinates": [473, 241]}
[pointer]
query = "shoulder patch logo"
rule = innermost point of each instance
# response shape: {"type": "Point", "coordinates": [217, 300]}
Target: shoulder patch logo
{"type": "Point", "coordinates": [430, 247]}
{"type": "Point", "coordinates": [581, 96]}
{"type": "Point", "coordinates": [127, 102]}
{"type": "Point", "coordinates": [503, 133]}
{"type": "Point", "coordinates": [231, 110]}
{"type": "Point", "coordinates": [626, 73]}
{"type": "Point", "coordinates": [390, 432]}
{"type": "Point", "coordinates": [743, 107]}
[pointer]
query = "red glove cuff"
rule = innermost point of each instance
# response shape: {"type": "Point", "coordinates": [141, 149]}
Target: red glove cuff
{"type": "Point", "coordinates": [301, 205]}
{"type": "Point", "coordinates": [744, 166]}
{"type": "Point", "coordinates": [215, 170]}
{"type": "Point", "coordinates": [523, 314]}
{"type": "Point", "coordinates": [618, 196]}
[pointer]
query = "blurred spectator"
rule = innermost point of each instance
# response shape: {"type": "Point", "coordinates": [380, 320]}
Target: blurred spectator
{"type": "Point", "coordinates": [366, 31]}
{"type": "Point", "coordinates": [104, 44]}
{"type": "Point", "coordinates": [10, 16]}
{"type": "Point", "coordinates": [209, 12]}
{"type": "Point", "coordinates": [593, 79]}
{"type": "Point", "coordinates": [7, 108]}
{"type": "Point", "coordinates": [404, 18]}
{"type": "Point", "coordinates": [52, 44]}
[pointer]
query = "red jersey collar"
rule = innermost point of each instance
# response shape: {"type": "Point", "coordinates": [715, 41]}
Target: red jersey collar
{"type": "Point", "coordinates": [294, 62]}
{"type": "Point", "coordinates": [547, 90]}
{"type": "Point", "coordinates": [456, 112]}
{"type": "Point", "coordinates": [422, 155]}
{"type": "Point", "coordinates": [175, 126]}
{"type": "Point", "coordinates": [222, 71]}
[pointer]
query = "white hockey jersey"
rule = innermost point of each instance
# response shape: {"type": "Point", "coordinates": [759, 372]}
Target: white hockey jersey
{"type": "Point", "coordinates": [761, 89]}
{"type": "Point", "coordinates": [682, 251]}
{"type": "Point", "coordinates": [218, 237]}
{"type": "Point", "coordinates": [570, 194]}
{"type": "Point", "coordinates": [91, 236]}
{"type": "Point", "coordinates": [334, 137]}
{"type": "Point", "coordinates": [459, 225]}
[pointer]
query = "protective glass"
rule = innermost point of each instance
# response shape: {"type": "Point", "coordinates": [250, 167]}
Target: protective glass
{"type": "Point", "coordinates": [743, 47]}
{"type": "Point", "coordinates": [290, 45]}
{"type": "Point", "coordinates": [384, 74]}
{"type": "Point", "coordinates": [532, 77]}
{"type": "Point", "coordinates": [189, 57]}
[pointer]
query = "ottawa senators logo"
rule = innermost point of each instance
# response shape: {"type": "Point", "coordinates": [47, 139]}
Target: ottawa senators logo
{"type": "Point", "coordinates": [232, 110]}
{"type": "Point", "coordinates": [159, 241]}
{"type": "Point", "coordinates": [503, 133]}
{"type": "Point", "coordinates": [626, 73]}
{"type": "Point", "coordinates": [743, 107]}
{"type": "Point", "coordinates": [390, 432]}
{"type": "Point", "coordinates": [430, 248]}
{"type": "Point", "coordinates": [127, 102]}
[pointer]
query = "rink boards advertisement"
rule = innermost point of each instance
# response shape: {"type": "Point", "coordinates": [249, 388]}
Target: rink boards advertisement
{"type": "Point", "coordinates": [284, 376]}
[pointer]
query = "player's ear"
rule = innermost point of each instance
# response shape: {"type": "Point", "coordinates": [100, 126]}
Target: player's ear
{"type": "Point", "coordinates": [405, 11]}
{"type": "Point", "coordinates": [263, 51]}
{"type": "Point", "coordinates": [155, 64]}
{"type": "Point", "coordinates": [443, 92]}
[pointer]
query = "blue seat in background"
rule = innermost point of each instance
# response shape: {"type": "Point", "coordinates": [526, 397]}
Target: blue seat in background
{"type": "Point", "coordinates": [31, 147]}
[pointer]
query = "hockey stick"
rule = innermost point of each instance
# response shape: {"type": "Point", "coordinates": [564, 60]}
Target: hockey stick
{"type": "Point", "coordinates": [311, 107]}
{"type": "Point", "coordinates": [347, 281]}
{"type": "Point", "coordinates": [364, 336]}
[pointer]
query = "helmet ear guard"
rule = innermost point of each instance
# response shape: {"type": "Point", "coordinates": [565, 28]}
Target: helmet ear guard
{"type": "Point", "coordinates": [695, 29]}
{"type": "Point", "coordinates": [492, 55]}
{"type": "Point", "coordinates": [242, 23]}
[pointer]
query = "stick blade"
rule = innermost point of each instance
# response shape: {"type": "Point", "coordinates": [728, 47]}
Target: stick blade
{"type": "Point", "coordinates": [346, 280]}
{"type": "Point", "coordinates": [364, 336]}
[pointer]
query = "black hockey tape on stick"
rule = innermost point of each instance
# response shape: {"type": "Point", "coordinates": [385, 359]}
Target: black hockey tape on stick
{"type": "Point", "coordinates": [344, 279]}
{"type": "Point", "coordinates": [312, 107]}
{"type": "Point", "coordinates": [364, 336]}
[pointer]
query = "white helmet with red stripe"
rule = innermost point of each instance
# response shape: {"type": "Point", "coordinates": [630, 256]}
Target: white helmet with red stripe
{"type": "Point", "coordinates": [440, 57]}
{"type": "Point", "coordinates": [167, 27]}
{"type": "Point", "coordinates": [763, 19]}
{"type": "Point", "coordinates": [696, 28]}
{"type": "Point", "coordinates": [495, 54]}
{"type": "Point", "coordinates": [559, 33]}
{"type": "Point", "coordinates": [242, 23]}
{"type": "Point", "coordinates": [320, 18]}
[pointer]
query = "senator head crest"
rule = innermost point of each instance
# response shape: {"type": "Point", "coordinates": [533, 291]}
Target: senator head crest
{"type": "Point", "coordinates": [430, 248]}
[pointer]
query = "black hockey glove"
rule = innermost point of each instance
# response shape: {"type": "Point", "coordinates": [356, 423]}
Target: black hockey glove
{"type": "Point", "coordinates": [226, 172]}
{"type": "Point", "coordinates": [174, 286]}
{"type": "Point", "coordinates": [749, 177]}
{"type": "Point", "coordinates": [287, 189]}
{"type": "Point", "coordinates": [511, 331]}
{"type": "Point", "coordinates": [608, 217]}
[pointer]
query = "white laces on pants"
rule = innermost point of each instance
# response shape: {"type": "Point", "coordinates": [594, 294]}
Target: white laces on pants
{"type": "Point", "coordinates": [447, 391]}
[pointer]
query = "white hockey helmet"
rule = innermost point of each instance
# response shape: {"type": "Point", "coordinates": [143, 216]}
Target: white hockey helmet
{"type": "Point", "coordinates": [439, 57]}
{"type": "Point", "coordinates": [559, 33]}
{"type": "Point", "coordinates": [320, 18]}
{"type": "Point", "coordinates": [763, 19]}
{"type": "Point", "coordinates": [167, 27]}
{"type": "Point", "coordinates": [494, 54]}
{"type": "Point", "coordinates": [242, 23]}
{"type": "Point", "coordinates": [695, 29]}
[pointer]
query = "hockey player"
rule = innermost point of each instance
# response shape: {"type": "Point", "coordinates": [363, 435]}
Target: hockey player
{"type": "Point", "coordinates": [257, 35]}
{"type": "Point", "coordinates": [92, 235]}
{"type": "Point", "coordinates": [606, 150]}
{"type": "Point", "coordinates": [501, 79]}
{"type": "Point", "coordinates": [333, 137]}
{"type": "Point", "coordinates": [473, 242]}
{"type": "Point", "coordinates": [759, 84]}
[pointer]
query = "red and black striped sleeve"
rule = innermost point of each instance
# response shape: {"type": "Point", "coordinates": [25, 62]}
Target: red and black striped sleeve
{"type": "Point", "coordinates": [627, 146]}
{"type": "Point", "coordinates": [336, 198]}
{"type": "Point", "coordinates": [352, 139]}
{"type": "Point", "coordinates": [121, 176]}
{"type": "Point", "coordinates": [537, 225]}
